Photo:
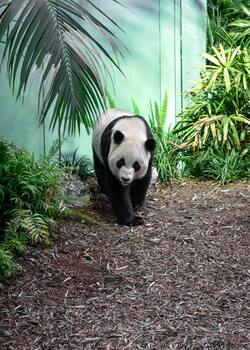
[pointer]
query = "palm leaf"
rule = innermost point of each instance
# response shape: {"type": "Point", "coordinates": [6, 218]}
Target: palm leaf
{"type": "Point", "coordinates": [51, 36]}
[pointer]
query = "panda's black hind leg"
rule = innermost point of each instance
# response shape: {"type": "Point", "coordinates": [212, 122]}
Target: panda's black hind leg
{"type": "Point", "coordinates": [100, 173]}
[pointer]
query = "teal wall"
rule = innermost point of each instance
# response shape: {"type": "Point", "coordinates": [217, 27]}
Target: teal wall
{"type": "Point", "coordinates": [164, 39]}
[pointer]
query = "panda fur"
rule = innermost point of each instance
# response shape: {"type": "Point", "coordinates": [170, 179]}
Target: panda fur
{"type": "Point", "coordinates": [123, 153]}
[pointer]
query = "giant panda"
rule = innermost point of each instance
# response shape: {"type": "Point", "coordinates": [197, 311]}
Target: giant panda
{"type": "Point", "coordinates": [123, 148]}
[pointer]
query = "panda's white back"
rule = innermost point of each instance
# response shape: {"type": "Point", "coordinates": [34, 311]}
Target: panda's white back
{"type": "Point", "coordinates": [103, 120]}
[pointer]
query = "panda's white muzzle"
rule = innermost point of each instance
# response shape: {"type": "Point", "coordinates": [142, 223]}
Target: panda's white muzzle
{"type": "Point", "coordinates": [126, 176]}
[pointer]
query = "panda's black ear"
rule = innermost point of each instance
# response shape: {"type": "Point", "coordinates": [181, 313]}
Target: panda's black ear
{"type": "Point", "coordinates": [118, 137]}
{"type": "Point", "coordinates": [150, 145]}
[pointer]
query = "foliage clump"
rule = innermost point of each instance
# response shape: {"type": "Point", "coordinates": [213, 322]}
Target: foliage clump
{"type": "Point", "coordinates": [30, 197]}
{"type": "Point", "coordinates": [214, 129]}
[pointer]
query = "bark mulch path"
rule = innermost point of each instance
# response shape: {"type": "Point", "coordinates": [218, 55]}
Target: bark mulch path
{"type": "Point", "coordinates": [182, 281]}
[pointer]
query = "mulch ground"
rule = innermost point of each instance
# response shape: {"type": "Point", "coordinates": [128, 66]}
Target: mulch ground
{"type": "Point", "coordinates": [182, 281]}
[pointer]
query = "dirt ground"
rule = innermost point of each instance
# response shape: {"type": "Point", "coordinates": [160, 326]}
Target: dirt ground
{"type": "Point", "coordinates": [181, 281]}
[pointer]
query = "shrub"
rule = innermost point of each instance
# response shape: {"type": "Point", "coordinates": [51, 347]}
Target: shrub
{"type": "Point", "coordinates": [30, 196]}
{"type": "Point", "coordinates": [221, 14]}
{"type": "Point", "coordinates": [214, 129]}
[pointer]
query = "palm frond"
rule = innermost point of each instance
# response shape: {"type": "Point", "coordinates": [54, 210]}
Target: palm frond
{"type": "Point", "coordinates": [51, 35]}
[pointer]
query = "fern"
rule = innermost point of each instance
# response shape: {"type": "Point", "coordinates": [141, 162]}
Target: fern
{"type": "Point", "coordinates": [16, 242]}
{"type": "Point", "coordinates": [31, 194]}
{"type": "Point", "coordinates": [7, 266]}
{"type": "Point", "coordinates": [33, 224]}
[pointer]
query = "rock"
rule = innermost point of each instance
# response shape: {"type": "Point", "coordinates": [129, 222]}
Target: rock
{"type": "Point", "coordinates": [154, 176]}
{"type": "Point", "coordinates": [75, 187]}
{"type": "Point", "coordinates": [78, 202]}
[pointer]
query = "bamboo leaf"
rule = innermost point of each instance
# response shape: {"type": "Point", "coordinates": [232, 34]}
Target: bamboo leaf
{"type": "Point", "coordinates": [235, 133]}
{"type": "Point", "coordinates": [213, 129]}
{"type": "Point", "coordinates": [206, 132]}
{"type": "Point", "coordinates": [240, 118]}
{"type": "Point", "coordinates": [227, 79]}
{"type": "Point", "coordinates": [211, 58]}
{"type": "Point", "coordinates": [219, 56]}
{"type": "Point", "coordinates": [225, 124]}
{"type": "Point", "coordinates": [246, 10]}
{"type": "Point", "coordinates": [219, 134]}
{"type": "Point", "coordinates": [223, 54]}
{"type": "Point", "coordinates": [212, 81]}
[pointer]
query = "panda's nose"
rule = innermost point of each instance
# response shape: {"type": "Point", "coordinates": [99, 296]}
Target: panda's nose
{"type": "Point", "coordinates": [125, 179]}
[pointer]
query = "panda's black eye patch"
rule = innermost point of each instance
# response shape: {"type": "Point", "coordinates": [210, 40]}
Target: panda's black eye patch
{"type": "Point", "coordinates": [136, 166]}
{"type": "Point", "coordinates": [120, 163]}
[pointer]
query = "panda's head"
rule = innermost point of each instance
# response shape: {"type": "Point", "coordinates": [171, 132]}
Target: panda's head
{"type": "Point", "coordinates": [129, 158]}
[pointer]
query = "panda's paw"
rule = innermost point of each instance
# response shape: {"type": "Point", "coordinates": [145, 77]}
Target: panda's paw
{"type": "Point", "coordinates": [137, 220]}
{"type": "Point", "coordinates": [134, 221]}
{"type": "Point", "coordinates": [137, 207]}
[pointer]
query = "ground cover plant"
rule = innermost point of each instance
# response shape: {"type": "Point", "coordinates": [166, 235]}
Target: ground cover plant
{"type": "Point", "coordinates": [31, 195]}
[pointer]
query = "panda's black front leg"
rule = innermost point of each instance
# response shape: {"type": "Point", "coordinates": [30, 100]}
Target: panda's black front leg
{"type": "Point", "coordinates": [138, 192]}
{"type": "Point", "coordinates": [121, 203]}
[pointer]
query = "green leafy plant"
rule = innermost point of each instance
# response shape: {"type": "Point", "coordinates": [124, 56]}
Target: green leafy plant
{"type": "Point", "coordinates": [7, 265]}
{"type": "Point", "coordinates": [222, 129]}
{"type": "Point", "coordinates": [221, 13]}
{"type": "Point", "coordinates": [158, 114]}
{"type": "Point", "coordinates": [165, 158]}
{"type": "Point", "coordinates": [81, 166]}
{"type": "Point", "coordinates": [62, 40]}
{"type": "Point", "coordinates": [31, 195]}
{"type": "Point", "coordinates": [229, 166]}
{"type": "Point", "coordinates": [217, 164]}
{"type": "Point", "coordinates": [135, 107]}
{"type": "Point", "coordinates": [214, 129]}
{"type": "Point", "coordinates": [219, 110]}
{"type": "Point", "coordinates": [241, 29]}
{"type": "Point", "coordinates": [230, 68]}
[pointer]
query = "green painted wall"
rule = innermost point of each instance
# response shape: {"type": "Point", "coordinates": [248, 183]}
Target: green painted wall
{"type": "Point", "coordinates": [164, 39]}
